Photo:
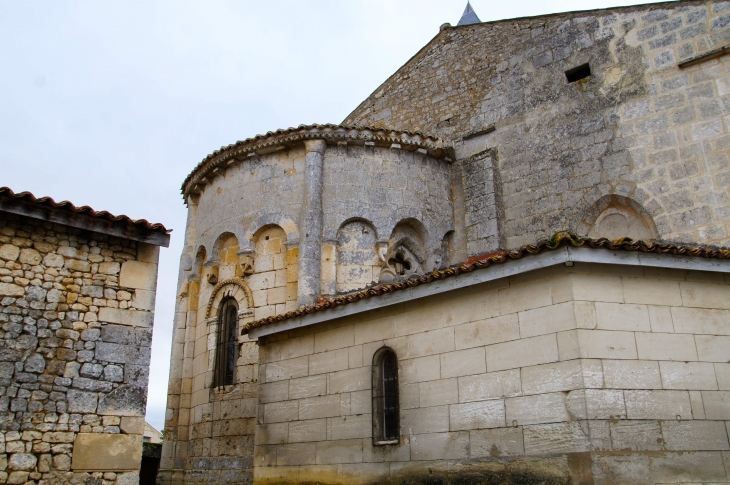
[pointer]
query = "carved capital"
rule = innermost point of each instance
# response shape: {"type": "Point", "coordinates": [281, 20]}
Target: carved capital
{"type": "Point", "coordinates": [318, 146]}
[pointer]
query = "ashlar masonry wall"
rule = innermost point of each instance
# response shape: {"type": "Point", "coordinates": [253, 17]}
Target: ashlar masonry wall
{"type": "Point", "coordinates": [590, 374]}
{"type": "Point", "coordinates": [244, 238]}
{"type": "Point", "coordinates": [639, 126]}
{"type": "Point", "coordinates": [76, 310]}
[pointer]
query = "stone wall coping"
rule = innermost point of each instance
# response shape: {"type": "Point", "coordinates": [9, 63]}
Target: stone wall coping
{"type": "Point", "coordinates": [563, 248]}
{"type": "Point", "coordinates": [218, 161]}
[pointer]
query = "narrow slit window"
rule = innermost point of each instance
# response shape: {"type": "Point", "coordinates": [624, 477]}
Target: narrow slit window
{"type": "Point", "coordinates": [226, 347]}
{"type": "Point", "coordinates": [386, 409]}
{"type": "Point", "coordinates": [578, 73]}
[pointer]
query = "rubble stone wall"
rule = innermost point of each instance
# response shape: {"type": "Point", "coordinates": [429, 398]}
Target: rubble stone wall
{"type": "Point", "coordinates": [591, 374]}
{"type": "Point", "coordinates": [638, 127]}
{"type": "Point", "coordinates": [76, 310]}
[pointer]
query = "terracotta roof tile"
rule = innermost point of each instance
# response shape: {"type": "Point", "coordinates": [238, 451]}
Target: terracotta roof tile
{"type": "Point", "coordinates": [563, 238]}
{"type": "Point", "coordinates": [85, 210]}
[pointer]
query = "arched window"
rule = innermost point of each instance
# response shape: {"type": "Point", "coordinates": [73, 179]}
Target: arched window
{"type": "Point", "coordinates": [226, 347]}
{"type": "Point", "coordinates": [386, 411]}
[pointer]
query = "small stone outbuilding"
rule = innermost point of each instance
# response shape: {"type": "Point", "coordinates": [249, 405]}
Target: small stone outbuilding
{"type": "Point", "coordinates": [77, 300]}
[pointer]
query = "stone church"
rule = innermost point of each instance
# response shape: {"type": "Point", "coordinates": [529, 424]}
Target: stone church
{"type": "Point", "coordinates": [508, 265]}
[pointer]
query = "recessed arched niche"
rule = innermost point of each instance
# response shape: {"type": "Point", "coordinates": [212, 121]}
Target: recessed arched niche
{"type": "Point", "coordinates": [274, 277]}
{"type": "Point", "coordinates": [226, 255]}
{"type": "Point", "coordinates": [358, 264]}
{"type": "Point", "coordinates": [622, 218]}
{"type": "Point", "coordinates": [406, 253]}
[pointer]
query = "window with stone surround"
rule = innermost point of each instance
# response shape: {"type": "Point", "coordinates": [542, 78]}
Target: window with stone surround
{"type": "Point", "coordinates": [226, 346]}
{"type": "Point", "coordinates": [386, 409]}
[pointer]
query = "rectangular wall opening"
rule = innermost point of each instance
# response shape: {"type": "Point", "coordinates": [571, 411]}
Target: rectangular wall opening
{"type": "Point", "coordinates": [578, 73]}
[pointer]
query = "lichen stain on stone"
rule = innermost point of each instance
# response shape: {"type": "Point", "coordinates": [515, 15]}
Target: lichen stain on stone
{"type": "Point", "coordinates": [613, 75]}
{"type": "Point", "coordinates": [482, 477]}
{"type": "Point", "coordinates": [492, 473]}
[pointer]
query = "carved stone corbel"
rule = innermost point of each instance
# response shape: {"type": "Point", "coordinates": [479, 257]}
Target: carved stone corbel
{"type": "Point", "coordinates": [212, 266]}
{"type": "Point", "coordinates": [245, 266]}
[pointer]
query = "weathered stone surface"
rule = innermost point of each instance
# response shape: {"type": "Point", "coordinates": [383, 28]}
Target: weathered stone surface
{"type": "Point", "coordinates": [9, 252]}
{"type": "Point", "coordinates": [113, 373]}
{"type": "Point", "coordinates": [80, 266]}
{"type": "Point", "coordinates": [126, 317]}
{"type": "Point", "coordinates": [82, 402]}
{"type": "Point", "coordinates": [29, 256]}
{"type": "Point", "coordinates": [35, 363]}
{"type": "Point", "coordinates": [110, 268]}
{"type": "Point", "coordinates": [124, 401]}
{"type": "Point", "coordinates": [22, 461]}
{"type": "Point", "coordinates": [128, 479]}
{"type": "Point", "coordinates": [35, 293]}
{"type": "Point", "coordinates": [72, 253]}
{"type": "Point", "coordinates": [138, 275]}
{"type": "Point", "coordinates": [122, 354]}
{"type": "Point", "coordinates": [106, 452]}
{"type": "Point", "coordinates": [10, 289]}
{"type": "Point", "coordinates": [132, 425]}
{"type": "Point", "coordinates": [53, 260]}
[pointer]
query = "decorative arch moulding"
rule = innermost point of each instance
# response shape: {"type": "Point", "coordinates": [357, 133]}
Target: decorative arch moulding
{"type": "Point", "coordinates": [217, 162]}
{"type": "Point", "coordinates": [235, 282]}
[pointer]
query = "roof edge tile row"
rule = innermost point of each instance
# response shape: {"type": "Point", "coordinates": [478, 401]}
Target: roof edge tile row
{"type": "Point", "coordinates": [557, 241]}
{"type": "Point", "coordinates": [66, 206]}
{"type": "Point", "coordinates": [273, 140]}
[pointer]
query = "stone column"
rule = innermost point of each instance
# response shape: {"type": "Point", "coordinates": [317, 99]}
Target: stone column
{"type": "Point", "coordinates": [310, 227]}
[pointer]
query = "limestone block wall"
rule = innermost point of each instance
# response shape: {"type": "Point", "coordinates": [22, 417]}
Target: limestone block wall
{"type": "Point", "coordinates": [357, 263]}
{"type": "Point", "coordinates": [262, 190]}
{"type": "Point", "coordinates": [376, 189]}
{"type": "Point", "coordinates": [639, 126]}
{"type": "Point", "coordinates": [591, 374]}
{"type": "Point", "coordinates": [244, 239]}
{"type": "Point", "coordinates": [385, 186]}
{"type": "Point", "coordinates": [76, 310]}
{"type": "Point", "coordinates": [476, 179]}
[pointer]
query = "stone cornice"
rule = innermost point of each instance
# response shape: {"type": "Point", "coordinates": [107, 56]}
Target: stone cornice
{"type": "Point", "coordinates": [218, 161]}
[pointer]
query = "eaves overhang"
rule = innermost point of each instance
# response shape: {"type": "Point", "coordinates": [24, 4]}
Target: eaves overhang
{"type": "Point", "coordinates": [218, 161]}
{"type": "Point", "coordinates": [83, 217]}
{"type": "Point", "coordinates": [562, 248]}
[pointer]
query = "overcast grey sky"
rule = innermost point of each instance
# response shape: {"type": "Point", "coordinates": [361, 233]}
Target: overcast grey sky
{"type": "Point", "coordinates": [111, 104]}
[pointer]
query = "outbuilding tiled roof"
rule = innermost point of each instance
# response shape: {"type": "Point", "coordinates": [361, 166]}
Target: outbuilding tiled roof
{"type": "Point", "coordinates": [558, 240]}
{"type": "Point", "coordinates": [269, 142]}
{"type": "Point", "coordinates": [85, 210]}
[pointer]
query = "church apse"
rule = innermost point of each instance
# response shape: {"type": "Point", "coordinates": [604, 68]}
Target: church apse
{"type": "Point", "coordinates": [554, 350]}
